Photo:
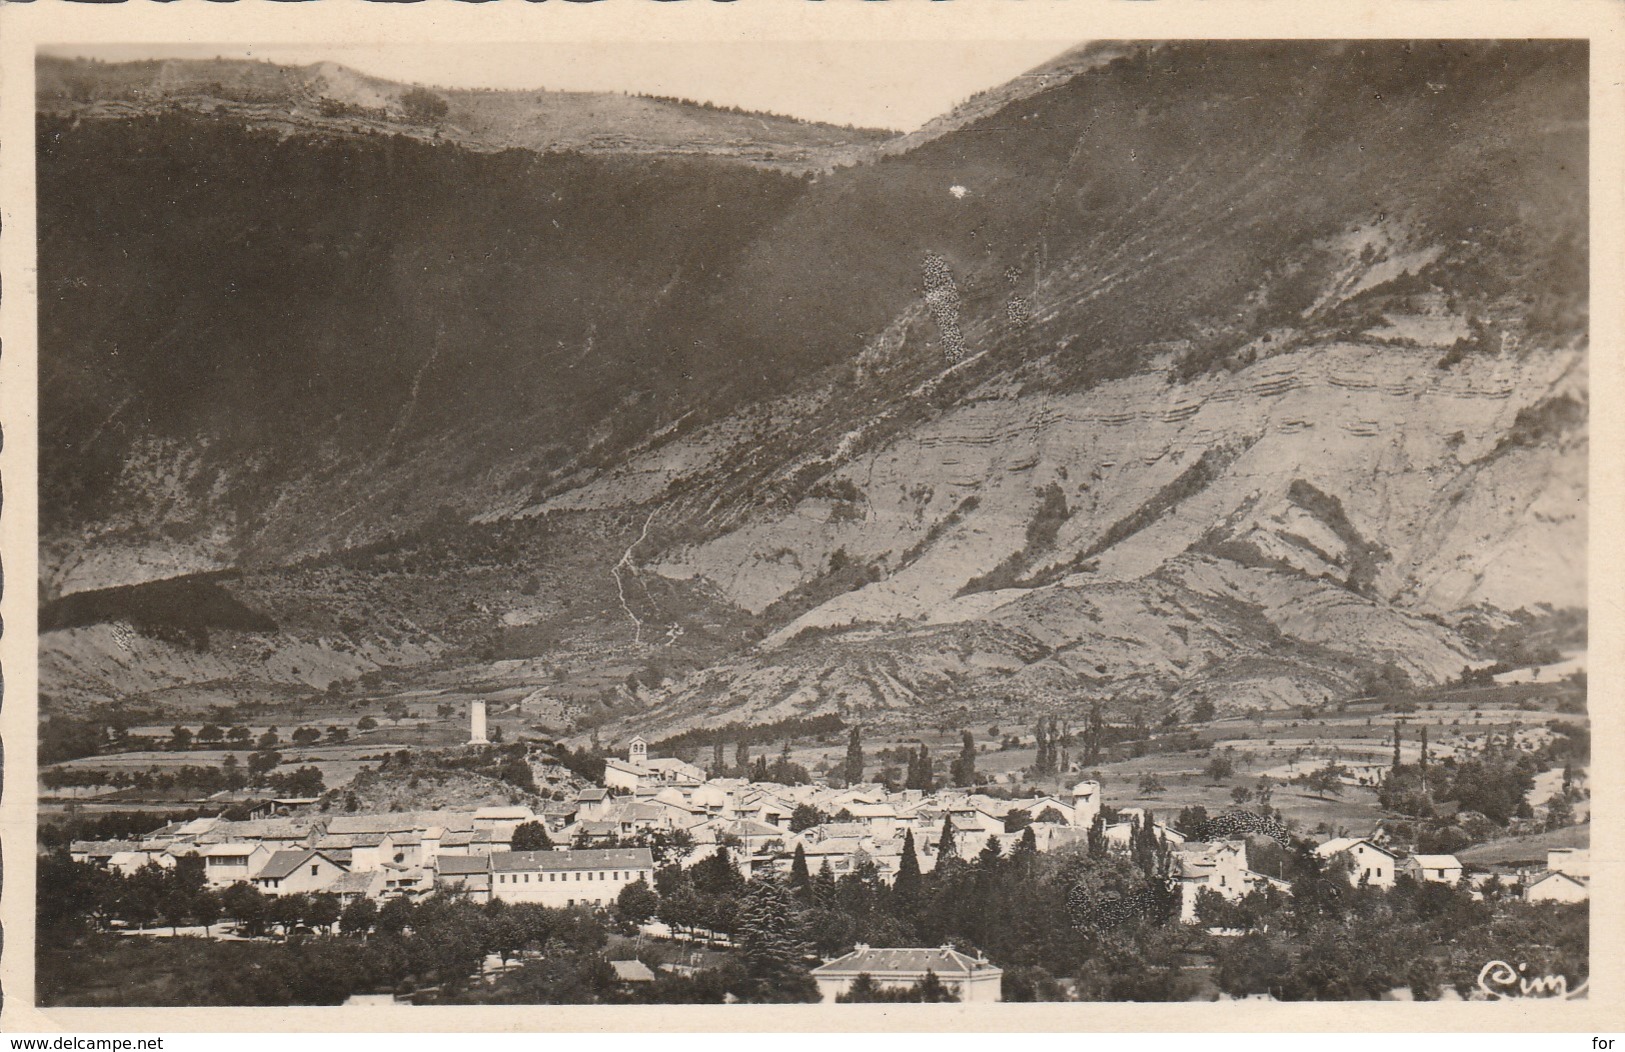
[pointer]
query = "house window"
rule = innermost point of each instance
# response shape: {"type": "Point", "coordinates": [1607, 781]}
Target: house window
{"type": "Point", "coordinates": [313, 871]}
{"type": "Point", "coordinates": [570, 902]}
{"type": "Point", "coordinates": [578, 880]}
{"type": "Point", "coordinates": [1379, 871]}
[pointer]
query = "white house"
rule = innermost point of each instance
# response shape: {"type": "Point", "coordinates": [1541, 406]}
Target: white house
{"type": "Point", "coordinates": [569, 878]}
{"type": "Point", "coordinates": [1558, 887]}
{"type": "Point", "coordinates": [1372, 863]}
{"type": "Point", "coordinates": [972, 979]}
{"type": "Point", "coordinates": [297, 873]}
{"type": "Point", "coordinates": [228, 863]}
{"type": "Point", "coordinates": [1438, 869]}
{"type": "Point", "coordinates": [1219, 866]}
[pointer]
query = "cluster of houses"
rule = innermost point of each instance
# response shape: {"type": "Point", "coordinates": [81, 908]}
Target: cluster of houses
{"type": "Point", "coordinates": [378, 856]}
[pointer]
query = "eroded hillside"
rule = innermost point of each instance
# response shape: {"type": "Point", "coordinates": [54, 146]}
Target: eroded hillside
{"type": "Point", "coordinates": [1202, 370]}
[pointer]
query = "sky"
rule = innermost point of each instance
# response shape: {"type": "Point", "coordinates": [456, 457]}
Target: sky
{"type": "Point", "coordinates": [882, 84]}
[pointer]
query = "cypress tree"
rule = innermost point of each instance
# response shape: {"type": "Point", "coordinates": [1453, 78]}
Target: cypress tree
{"type": "Point", "coordinates": [800, 877]}
{"type": "Point", "coordinates": [1396, 744]}
{"type": "Point", "coordinates": [991, 854]}
{"type": "Point", "coordinates": [945, 844]}
{"type": "Point", "coordinates": [906, 888]}
{"type": "Point", "coordinates": [928, 777]}
{"type": "Point", "coordinates": [1097, 836]}
{"type": "Point", "coordinates": [742, 755]}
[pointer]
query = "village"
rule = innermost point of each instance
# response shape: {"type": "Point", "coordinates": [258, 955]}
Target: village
{"type": "Point", "coordinates": [604, 845]}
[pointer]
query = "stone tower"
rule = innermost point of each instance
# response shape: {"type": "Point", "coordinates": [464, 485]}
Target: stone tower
{"type": "Point", "coordinates": [1085, 803]}
{"type": "Point", "coordinates": [637, 752]}
{"type": "Point", "coordinates": [476, 723]}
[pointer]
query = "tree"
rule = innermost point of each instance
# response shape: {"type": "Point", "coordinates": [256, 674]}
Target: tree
{"type": "Point", "coordinates": [307, 736]}
{"type": "Point", "coordinates": [932, 990]}
{"type": "Point", "coordinates": [805, 816]}
{"type": "Point", "coordinates": [422, 106]}
{"type": "Point", "coordinates": [1264, 790]}
{"type": "Point", "coordinates": [908, 886]}
{"type": "Point", "coordinates": [366, 723]}
{"type": "Point", "coordinates": [262, 763]}
{"type": "Point", "coordinates": [358, 917]}
{"type": "Point", "coordinates": [773, 945]}
{"type": "Point", "coordinates": [945, 843]}
{"type": "Point", "coordinates": [268, 740]}
{"type": "Point", "coordinates": [240, 736]}
{"type": "Point", "coordinates": [853, 768]}
{"type": "Point", "coordinates": [337, 735]}
{"type": "Point", "coordinates": [1094, 733]}
{"type": "Point", "coordinates": [1220, 767]}
{"type": "Point", "coordinates": [180, 739]}
{"type": "Point", "coordinates": [323, 911]}
{"type": "Point", "coordinates": [1241, 794]}
{"type": "Point", "coordinates": [1203, 711]}
{"type": "Point", "coordinates": [531, 836]}
{"type": "Point", "coordinates": [862, 991]}
{"type": "Point", "coordinates": [210, 734]}
{"type": "Point", "coordinates": [206, 909]}
{"type": "Point", "coordinates": [396, 711]}
{"type": "Point", "coordinates": [800, 875]}
{"type": "Point", "coordinates": [637, 902]}
{"type": "Point", "coordinates": [247, 906]}
{"type": "Point", "coordinates": [964, 768]}
{"type": "Point", "coordinates": [1327, 781]}
{"type": "Point", "coordinates": [394, 916]}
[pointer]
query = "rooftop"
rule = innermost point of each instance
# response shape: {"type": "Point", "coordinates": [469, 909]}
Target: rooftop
{"type": "Point", "coordinates": [905, 962]}
{"type": "Point", "coordinates": [587, 858]}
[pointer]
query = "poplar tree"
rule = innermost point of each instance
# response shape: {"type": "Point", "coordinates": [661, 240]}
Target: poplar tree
{"type": "Point", "coordinates": [964, 769]}
{"type": "Point", "coordinates": [854, 757]}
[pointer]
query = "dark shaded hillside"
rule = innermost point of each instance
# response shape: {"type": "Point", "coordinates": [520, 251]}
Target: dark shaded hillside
{"type": "Point", "coordinates": [303, 304]}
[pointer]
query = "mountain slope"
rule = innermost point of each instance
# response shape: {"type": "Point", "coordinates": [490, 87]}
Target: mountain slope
{"type": "Point", "coordinates": [1228, 370]}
